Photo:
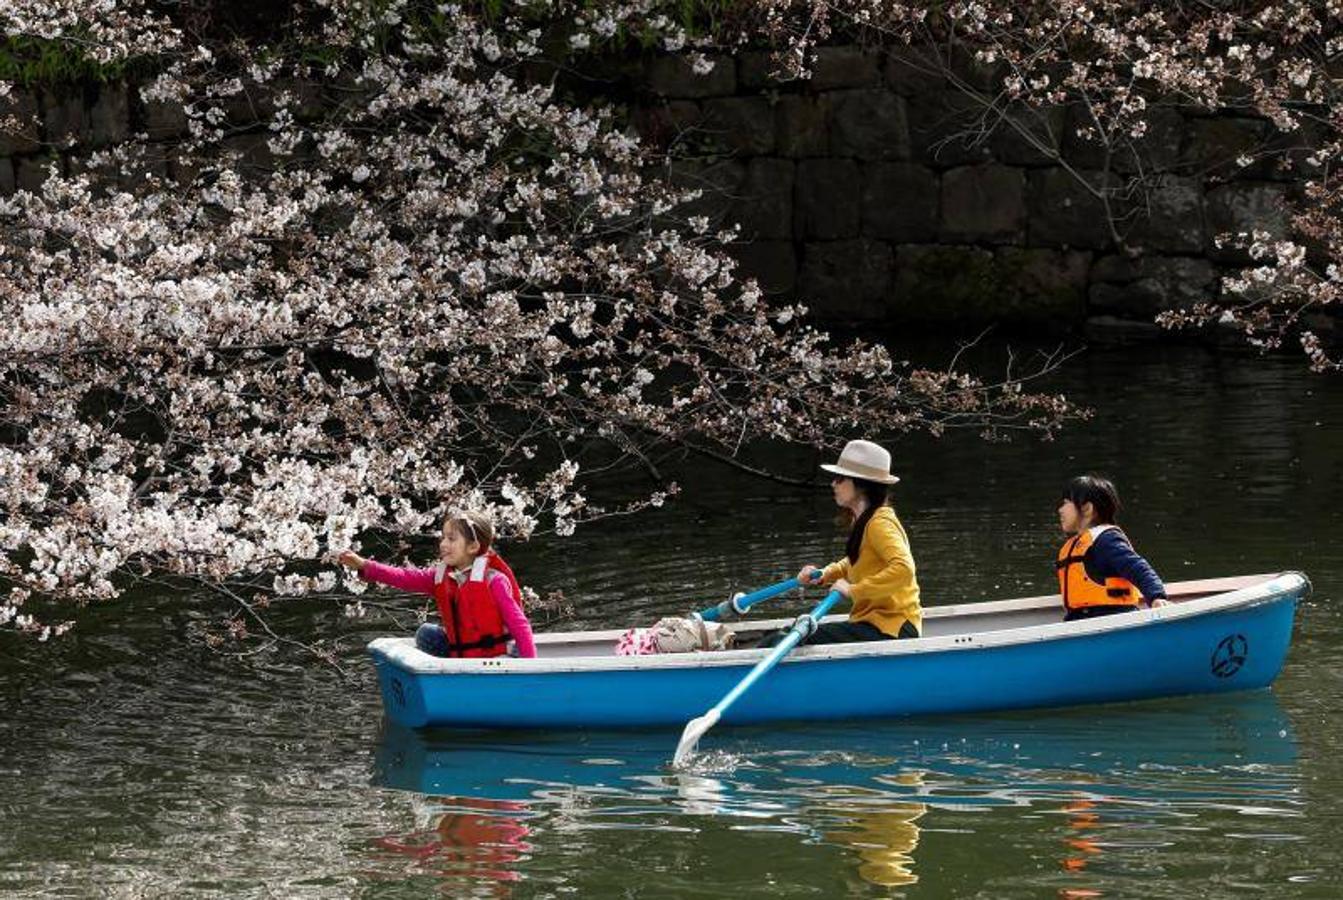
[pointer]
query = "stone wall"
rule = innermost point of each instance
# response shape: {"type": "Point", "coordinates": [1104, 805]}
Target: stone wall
{"type": "Point", "coordinates": [872, 191]}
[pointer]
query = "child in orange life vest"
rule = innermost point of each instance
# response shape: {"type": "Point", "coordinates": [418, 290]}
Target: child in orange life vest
{"type": "Point", "coordinates": [1099, 571]}
{"type": "Point", "coordinates": [479, 601]}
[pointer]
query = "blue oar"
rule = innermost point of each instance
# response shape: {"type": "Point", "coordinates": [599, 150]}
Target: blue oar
{"type": "Point", "coordinates": [735, 607]}
{"type": "Point", "coordinates": [804, 626]}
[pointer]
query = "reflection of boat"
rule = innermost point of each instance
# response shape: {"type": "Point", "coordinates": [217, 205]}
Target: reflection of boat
{"type": "Point", "coordinates": [1218, 635]}
{"type": "Point", "coordinates": [1238, 732]}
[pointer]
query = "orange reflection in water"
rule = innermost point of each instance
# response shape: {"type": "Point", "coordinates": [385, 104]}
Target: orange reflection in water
{"type": "Point", "coordinates": [1082, 822]}
{"type": "Point", "coordinates": [478, 840]}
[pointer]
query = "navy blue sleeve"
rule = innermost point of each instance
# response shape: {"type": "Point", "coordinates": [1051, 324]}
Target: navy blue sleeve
{"type": "Point", "coordinates": [1115, 556]}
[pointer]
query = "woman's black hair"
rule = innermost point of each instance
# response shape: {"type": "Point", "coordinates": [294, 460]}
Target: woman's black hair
{"type": "Point", "coordinates": [875, 493]}
{"type": "Point", "coordinates": [1097, 491]}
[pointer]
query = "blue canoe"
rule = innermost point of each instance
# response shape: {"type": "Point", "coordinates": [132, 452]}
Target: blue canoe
{"type": "Point", "coordinates": [1224, 634]}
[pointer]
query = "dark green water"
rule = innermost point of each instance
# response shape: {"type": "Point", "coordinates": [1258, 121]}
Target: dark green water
{"type": "Point", "coordinates": [134, 765]}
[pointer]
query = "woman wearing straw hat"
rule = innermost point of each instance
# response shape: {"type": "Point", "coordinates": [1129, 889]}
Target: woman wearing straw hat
{"type": "Point", "coordinates": [877, 570]}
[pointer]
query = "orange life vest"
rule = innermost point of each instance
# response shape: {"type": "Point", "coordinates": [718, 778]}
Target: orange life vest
{"type": "Point", "coordinates": [1078, 589]}
{"type": "Point", "coordinates": [471, 620]}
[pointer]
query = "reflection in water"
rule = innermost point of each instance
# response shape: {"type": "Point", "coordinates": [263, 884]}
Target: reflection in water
{"type": "Point", "coordinates": [1126, 779]}
{"type": "Point", "coordinates": [476, 839]}
{"type": "Point", "coordinates": [884, 837]}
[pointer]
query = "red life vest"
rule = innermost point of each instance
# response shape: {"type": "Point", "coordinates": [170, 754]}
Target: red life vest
{"type": "Point", "coordinates": [1078, 589]}
{"type": "Point", "coordinates": [471, 620]}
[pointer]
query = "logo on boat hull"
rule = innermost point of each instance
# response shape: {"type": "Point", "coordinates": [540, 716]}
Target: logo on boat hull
{"type": "Point", "coordinates": [1230, 655]}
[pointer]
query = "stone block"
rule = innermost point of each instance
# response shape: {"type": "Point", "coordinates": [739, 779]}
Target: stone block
{"type": "Point", "coordinates": [1170, 218]}
{"type": "Point", "coordinates": [30, 172]}
{"type": "Point", "coordinates": [1290, 153]}
{"type": "Point", "coordinates": [1157, 150]}
{"type": "Point", "coordinates": [7, 183]}
{"type": "Point", "coordinates": [150, 167]}
{"type": "Point", "coordinates": [942, 283]}
{"type": "Point", "coordinates": [771, 263]}
{"type": "Point", "coordinates": [718, 181]}
{"type": "Point", "coordinates": [900, 202]}
{"type": "Point", "coordinates": [1042, 285]}
{"type": "Point", "coordinates": [1143, 287]}
{"type": "Point", "coordinates": [1029, 136]}
{"type": "Point", "coordinates": [846, 279]}
{"type": "Point", "coordinates": [946, 128]}
{"type": "Point", "coordinates": [765, 205]}
{"type": "Point", "coordinates": [846, 66]}
{"type": "Point", "coordinates": [252, 152]}
{"type": "Point", "coordinates": [1214, 146]}
{"type": "Point", "coordinates": [1245, 207]}
{"type": "Point", "coordinates": [163, 120]}
{"type": "Point", "coordinates": [1065, 210]}
{"type": "Point", "coordinates": [63, 121]}
{"type": "Point", "coordinates": [20, 124]}
{"type": "Point", "coordinates": [672, 76]}
{"type": "Point", "coordinates": [915, 71]}
{"type": "Point", "coordinates": [972, 286]}
{"type": "Point", "coordinates": [869, 125]}
{"type": "Point", "coordinates": [827, 199]}
{"type": "Point", "coordinates": [802, 125]}
{"type": "Point", "coordinates": [744, 125]}
{"type": "Point", "coordinates": [109, 116]}
{"type": "Point", "coordinates": [984, 204]}
{"type": "Point", "coordinates": [756, 71]}
{"type": "Point", "coordinates": [304, 98]}
{"type": "Point", "coordinates": [981, 76]}
{"type": "Point", "coordinates": [666, 123]}
{"type": "Point", "coordinates": [181, 170]}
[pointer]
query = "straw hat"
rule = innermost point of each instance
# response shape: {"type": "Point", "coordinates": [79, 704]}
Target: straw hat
{"type": "Point", "coordinates": [865, 460]}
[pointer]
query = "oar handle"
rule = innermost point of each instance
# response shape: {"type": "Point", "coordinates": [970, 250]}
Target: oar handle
{"type": "Point", "coordinates": [735, 607]}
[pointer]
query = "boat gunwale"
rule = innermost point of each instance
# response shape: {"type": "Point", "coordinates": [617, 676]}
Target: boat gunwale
{"type": "Point", "coordinates": [1267, 588]}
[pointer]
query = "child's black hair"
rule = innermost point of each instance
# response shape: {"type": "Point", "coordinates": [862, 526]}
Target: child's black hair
{"type": "Point", "coordinates": [875, 493]}
{"type": "Point", "coordinates": [1097, 491]}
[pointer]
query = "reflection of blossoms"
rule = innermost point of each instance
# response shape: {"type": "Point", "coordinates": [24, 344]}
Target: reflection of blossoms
{"type": "Point", "coordinates": [446, 287]}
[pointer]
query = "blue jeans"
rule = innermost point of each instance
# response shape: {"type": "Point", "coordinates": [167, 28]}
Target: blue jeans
{"type": "Point", "coordinates": [432, 639]}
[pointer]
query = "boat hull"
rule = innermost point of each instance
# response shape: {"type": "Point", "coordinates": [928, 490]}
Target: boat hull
{"type": "Point", "coordinates": [1228, 645]}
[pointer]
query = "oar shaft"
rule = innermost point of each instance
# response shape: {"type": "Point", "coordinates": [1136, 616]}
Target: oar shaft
{"type": "Point", "coordinates": [782, 649]}
{"type": "Point", "coordinates": [739, 605]}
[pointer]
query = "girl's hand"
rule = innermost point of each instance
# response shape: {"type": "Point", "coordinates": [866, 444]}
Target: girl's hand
{"type": "Point", "coordinates": [808, 575]}
{"type": "Point", "coordinates": [351, 560]}
{"type": "Point", "coordinates": [843, 586]}
{"type": "Point", "coordinates": [1159, 601]}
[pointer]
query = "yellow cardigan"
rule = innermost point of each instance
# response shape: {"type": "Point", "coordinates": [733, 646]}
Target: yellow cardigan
{"type": "Point", "coordinates": [885, 591]}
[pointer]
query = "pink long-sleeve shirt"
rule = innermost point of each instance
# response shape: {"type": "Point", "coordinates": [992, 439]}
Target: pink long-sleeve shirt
{"type": "Point", "coordinates": [421, 581]}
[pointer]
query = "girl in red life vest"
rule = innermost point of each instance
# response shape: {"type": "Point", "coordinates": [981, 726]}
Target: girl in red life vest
{"type": "Point", "coordinates": [1099, 571]}
{"type": "Point", "coordinates": [478, 598]}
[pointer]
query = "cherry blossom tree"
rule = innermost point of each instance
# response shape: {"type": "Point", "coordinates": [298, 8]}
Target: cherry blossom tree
{"type": "Point", "coordinates": [392, 270]}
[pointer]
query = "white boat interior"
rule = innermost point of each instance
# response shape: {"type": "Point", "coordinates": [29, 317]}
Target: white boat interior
{"type": "Point", "coordinates": [938, 621]}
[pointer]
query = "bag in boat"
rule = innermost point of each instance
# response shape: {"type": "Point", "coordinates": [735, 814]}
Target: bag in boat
{"type": "Point", "coordinates": [676, 634]}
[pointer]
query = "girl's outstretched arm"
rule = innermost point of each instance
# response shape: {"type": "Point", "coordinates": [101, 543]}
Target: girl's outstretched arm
{"type": "Point", "coordinates": [417, 581]}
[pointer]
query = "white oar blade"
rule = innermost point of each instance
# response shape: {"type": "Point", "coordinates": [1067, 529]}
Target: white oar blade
{"type": "Point", "coordinates": [694, 730]}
